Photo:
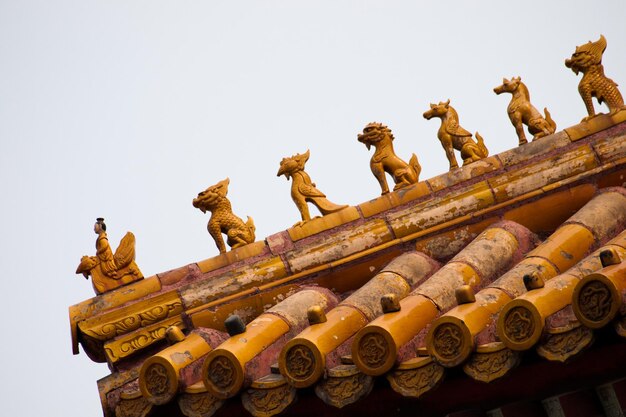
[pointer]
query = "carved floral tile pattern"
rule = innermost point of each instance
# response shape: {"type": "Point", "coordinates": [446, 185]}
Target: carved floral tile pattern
{"type": "Point", "coordinates": [373, 350]}
{"type": "Point", "coordinates": [300, 361]}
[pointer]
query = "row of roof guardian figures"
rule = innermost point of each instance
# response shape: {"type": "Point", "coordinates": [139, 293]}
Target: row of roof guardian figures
{"type": "Point", "coordinates": [109, 271]}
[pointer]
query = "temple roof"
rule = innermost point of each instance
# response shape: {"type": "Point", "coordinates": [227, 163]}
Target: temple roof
{"type": "Point", "coordinates": [491, 273]}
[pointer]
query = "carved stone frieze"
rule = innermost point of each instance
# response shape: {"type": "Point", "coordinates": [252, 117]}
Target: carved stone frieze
{"type": "Point", "coordinates": [201, 404]}
{"type": "Point", "coordinates": [563, 345]}
{"type": "Point", "coordinates": [415, 381]}
{"type": "Point", "coordinates": [373, 350]}
{"type": "Point", "coordinates": [344, 385]}
{"type": "Point", "coordinates": [489, 366]}
{"type": "Point", "coordinates": [118, 349]}
{"type": "Point", "coordinates": [261, 402]}
{"type": "Point", "coordinates": [519, 324]}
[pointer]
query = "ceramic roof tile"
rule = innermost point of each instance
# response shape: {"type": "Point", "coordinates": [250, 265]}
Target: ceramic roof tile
{"type": "Point", "coordinates": [539, 185]}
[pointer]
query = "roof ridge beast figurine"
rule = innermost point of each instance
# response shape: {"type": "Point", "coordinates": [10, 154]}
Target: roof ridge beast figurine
{"type": "Point", "coordinates": [385, 158]}
{"type": "Point", "coordinates": [303, 190]}
{"type": "Point", "coordinates": [452, 136]}
{"type": "Point", "coordinates": [222, 218]}
{"type": "Point", "coordinates": [520, 111]}
{"type": "Point", "coordinates": [588, 59]}
{"type": "Point", "coordinates": [108, 270]}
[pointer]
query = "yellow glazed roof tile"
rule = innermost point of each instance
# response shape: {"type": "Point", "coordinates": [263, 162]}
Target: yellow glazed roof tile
{"type": "Point", "coordinates": [538, 185]}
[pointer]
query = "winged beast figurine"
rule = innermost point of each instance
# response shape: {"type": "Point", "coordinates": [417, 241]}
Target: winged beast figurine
{"type": "Point", "coordinates": [452, 136]}
{"type": "Point", "coordinates": [521, 111]}
{"type": "Point", "coordinates": [303, 190]}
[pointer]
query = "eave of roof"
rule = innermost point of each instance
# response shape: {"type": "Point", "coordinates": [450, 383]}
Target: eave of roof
{"type": "Point", "coordinates": [538, 185]}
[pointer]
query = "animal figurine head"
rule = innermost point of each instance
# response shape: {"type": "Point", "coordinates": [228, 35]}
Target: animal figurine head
{"type": "Point", "coordinates": [508, 86]}
{"type": "Point", "coordinates": [437, 110]}
{"type": "Point", "coordinates": [290, 165]}
{"type": "Point", "coordinates": [587, 55]}
{"type": "Point", "coordinates": [212, 196]}
{"type": "Point", "coordinates": [374, 133]}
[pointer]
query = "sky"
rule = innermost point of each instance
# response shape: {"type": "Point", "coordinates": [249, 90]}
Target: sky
{"type": "Point", "coordinates": [127, 109]}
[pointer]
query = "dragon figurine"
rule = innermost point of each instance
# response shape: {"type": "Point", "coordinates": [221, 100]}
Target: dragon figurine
{"type": "Point", "coordinates": [452, 136]}
{"type": "Point", "coordinates": [588, 59]}
{"type": "Point", "coordinates": [520, 111]}
{"type": "Point", "coordinates": [222, 218]}
{"type": "Point", "coordinates": [386, 160]}
{"type": "Point", "coordinates": [303, 190]}
{"type": "Point", "coordinates": [108, 270]}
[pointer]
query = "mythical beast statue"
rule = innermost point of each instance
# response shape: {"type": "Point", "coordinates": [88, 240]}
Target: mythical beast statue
{"type": "Point", "coordinates": [386, 160]}
{"type": "Point", "coordinates": [452, 136]}
{"type": "Point", "coordinates": [110, 270]}
{"type": "Point", "coordinates": [222, 218]}
{"type": "Point", "coordinates": [588, 59]}
{"type": "Point", "coordinates": [303, 190]}
{"type": "Point", "coordinates": [521, 111]}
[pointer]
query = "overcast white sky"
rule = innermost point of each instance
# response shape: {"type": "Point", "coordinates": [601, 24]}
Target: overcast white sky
{"type": "Point", "coordinates": [127, 109]}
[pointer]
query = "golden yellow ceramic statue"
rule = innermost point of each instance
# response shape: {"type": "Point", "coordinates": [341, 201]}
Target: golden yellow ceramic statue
{"type": "Point", "coordinates": [222, 218]}
{"type": "Point", "coordinates": [452, 136]}
{"type": "Point", "coordinates": [303, 190]}
{"type": "Point", "coordinates": [588, 59]}
{"type": "Point", "coordinates": [521, 111]}
{"type": "Point", "coordinates": [109, 271]}
{"type": "Point", "coordinates": [385, 159]}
